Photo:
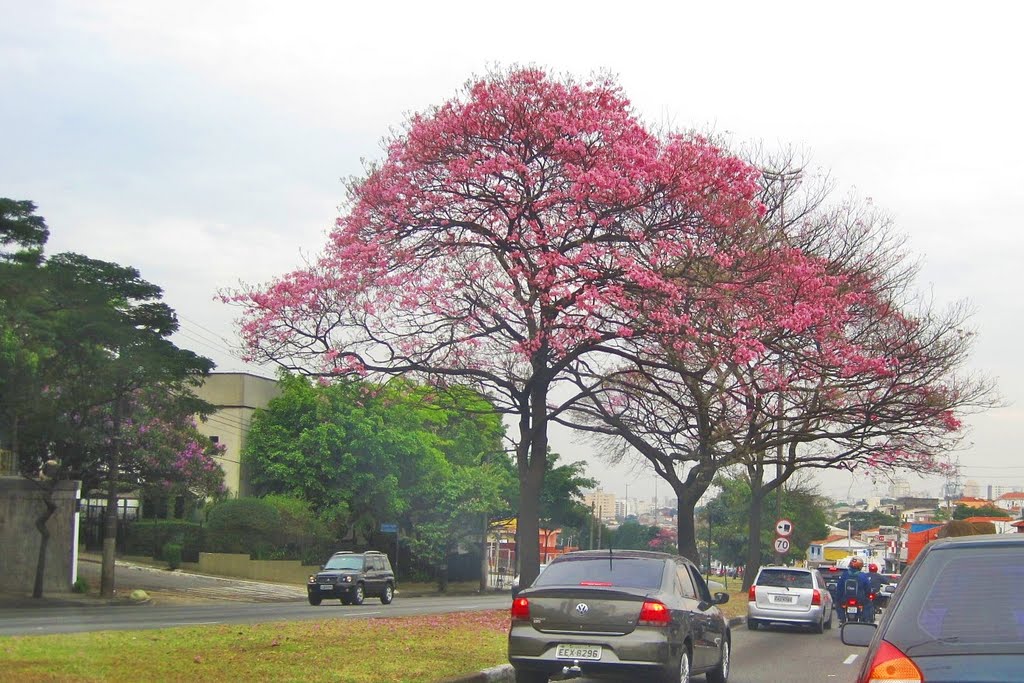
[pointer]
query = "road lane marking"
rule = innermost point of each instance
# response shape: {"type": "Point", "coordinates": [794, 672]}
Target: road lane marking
{"type": "Point", "coordinates": [850, 659]}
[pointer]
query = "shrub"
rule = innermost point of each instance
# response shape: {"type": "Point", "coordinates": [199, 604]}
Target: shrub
{"type": "Point", "coordinates": [243, 525]}
{"type": "Point", "coordinates": [172, 553]}
{"type": "Point", "coordinates": [80, 585]}
{"type": "Point", "coordinates": [149, 536]}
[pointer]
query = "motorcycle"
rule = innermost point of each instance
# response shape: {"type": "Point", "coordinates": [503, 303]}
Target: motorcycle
{"type": "Point", "coordinates": [855, 610]}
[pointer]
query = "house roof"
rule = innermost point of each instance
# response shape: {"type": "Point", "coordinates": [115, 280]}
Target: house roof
{"type": "Point", "coordinates": [834, 537]}
{"type": "Point", "coordinates": [1012, 495]}
{"type": "Point", "coordinates": [987, 519]}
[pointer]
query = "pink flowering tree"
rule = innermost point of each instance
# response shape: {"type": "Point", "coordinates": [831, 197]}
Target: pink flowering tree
{"type": "Point", "coordinates": [512, 234]}
{"type": "Point", "coordinates": [832, 370]}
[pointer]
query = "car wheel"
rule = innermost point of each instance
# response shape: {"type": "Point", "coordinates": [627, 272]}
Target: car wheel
{"type": "Point", "coordinates": [524, 676]}
{"type": "Point", "coordinates": [720, 674]}
{"type": "Point", "coordinates": [819, 626]}
{"type": "Point", "coordinates": [315, 600]}
{"type": "Point", "coordinates": [751, 624]}
{"type": "Point", "coordinates": [831, 615]}
{"type": "Point", "coordinates": [388, 595]}
{"type": "Point", "coordinates": [682, 675]}
{"type": "Point", "coordinates": [358, 595]}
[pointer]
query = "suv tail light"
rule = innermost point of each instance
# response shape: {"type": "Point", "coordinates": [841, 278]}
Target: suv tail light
{"type": "Point", "coordinates": [752, 594]}
{"type": "Point", "coordinates": [654, 613]}
{"type": "Point", "coordinates": [890, 664]}
{"type": "Point", "coordinates": [521, 609]}
{"type": "Point", "coordinates": [816, 597]}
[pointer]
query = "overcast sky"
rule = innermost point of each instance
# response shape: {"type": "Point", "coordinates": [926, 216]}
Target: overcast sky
{"type": "Point", "coordinates": [204, 142]}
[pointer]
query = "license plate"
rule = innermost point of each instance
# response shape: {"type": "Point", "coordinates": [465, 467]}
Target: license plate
{"type": "Point", "coordinates": [578, 652]}
{"type": "Point", "coordinates": [325, 587]}
{"type": "Point", "coordinates": [851, 610]}
{"type": "Point", "coordinates": [785, 598]}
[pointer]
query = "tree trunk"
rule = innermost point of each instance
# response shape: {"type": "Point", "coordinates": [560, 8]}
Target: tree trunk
{"type": "Point", "coordinates": [110, 523]}
{"type": "Point", "coordinates": [44, 537]}
{"type": "Point", "coordinates": [485, 569]}
{"type": "Point", "coordinates": [753, 536]}
{"type": "Point", "coordinates": [532, 455]}
{"type": "Point", "coordinates": [686, 527]}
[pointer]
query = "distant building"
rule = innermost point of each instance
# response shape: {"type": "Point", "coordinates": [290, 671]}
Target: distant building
{"type": "Point", "coordinates": [1011, 502]}
{"type": "Point", "coordinates": [972, 489]}
{"type": "Point", "coordinates": [603, 505]}
{"type": "Point", "coordinates": [237, 395]}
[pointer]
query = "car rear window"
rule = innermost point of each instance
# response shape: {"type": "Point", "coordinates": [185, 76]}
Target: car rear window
{"type": "Point", "coordinates": [602, 571]}
{"type": "Point", "coordinates": [784, 578]}
{"type": "Point", "coordinates": [962, 596]}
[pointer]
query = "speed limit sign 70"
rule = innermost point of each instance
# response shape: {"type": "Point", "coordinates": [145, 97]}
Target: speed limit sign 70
{"type": "Point", "coordinates": [781, 545]}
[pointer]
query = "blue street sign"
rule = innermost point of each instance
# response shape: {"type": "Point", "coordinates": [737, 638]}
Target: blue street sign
{"type": "Point", "coordinates": [389, 528]}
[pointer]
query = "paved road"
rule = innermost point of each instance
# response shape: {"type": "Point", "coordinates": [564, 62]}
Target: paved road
{"type": "Point", "coordinates": [790, 655]}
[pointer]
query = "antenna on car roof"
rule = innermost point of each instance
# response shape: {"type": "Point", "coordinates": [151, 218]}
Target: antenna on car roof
{"type": "Point", "coordinates": [609, 557]}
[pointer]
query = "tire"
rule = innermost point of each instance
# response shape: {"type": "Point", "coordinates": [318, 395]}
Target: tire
{"type": "Point", "coordinates": [525, 676]}
{"type": "Point", "coordinates": [831, 616]}
{"type": "Point", "coordinates": [315, 600]}
{"type": "Point", "coordinates": [681, 674]}
{"type": "Point", "coordinates": [388, 595]}
{"type": "Point", "coordinates": [819, 626]}
{"type": "Point", "coordinates": [358, 595]}
{"type": "Point", "coordinates": [720, 674]}
{"type": "Point", "coordinates": [751, 624]}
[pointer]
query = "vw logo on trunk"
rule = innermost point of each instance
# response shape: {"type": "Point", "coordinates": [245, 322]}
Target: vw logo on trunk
{"type": "Point", "coordinates": [582, 609]}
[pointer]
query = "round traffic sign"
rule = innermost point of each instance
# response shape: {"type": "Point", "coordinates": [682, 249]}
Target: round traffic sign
{"type": "Point", "coordinates": [781, 545]}
{"type": "Point", "coordinates": [783, 527]}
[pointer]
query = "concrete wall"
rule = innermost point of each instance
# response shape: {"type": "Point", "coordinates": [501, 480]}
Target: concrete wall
{"type": "Point", "coordinates": [21, 501]}
{"type": "Point", "coordinates": [237, 395]}
{"type": "Point", "coordinates": [240, 566]}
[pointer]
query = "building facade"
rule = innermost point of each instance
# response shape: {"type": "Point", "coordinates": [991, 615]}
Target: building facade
{"type": "Point", "coordinates": [236, 395]}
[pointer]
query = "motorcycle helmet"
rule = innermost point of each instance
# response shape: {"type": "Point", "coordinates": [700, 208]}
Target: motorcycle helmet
{"type": "Point", "coordinates": [856, 564]}
{"type": "Point", "coordinates": [872, 567]}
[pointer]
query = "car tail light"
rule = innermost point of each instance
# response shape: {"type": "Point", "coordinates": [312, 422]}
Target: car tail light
{"type": "Point", "coordinates": [520, 609]}
{"type": "Point", "coordinates": [890, 664]}
{"type": "Point", "coordinates": [871, 596]}
{"type": "Point", "coordinates": [816, 597]}
{"type": "Point", "coordinates": [655, 613]}
{"type": "Point", "coordinates": [852, 602]}
{"type": "Point", "coordinates": [752, 594]}
{"type": "Point", "coordinates": [595, 583]}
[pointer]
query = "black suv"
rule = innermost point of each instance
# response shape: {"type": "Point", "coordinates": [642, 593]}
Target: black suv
{"type": "Point", "coordinates": [352, 577]}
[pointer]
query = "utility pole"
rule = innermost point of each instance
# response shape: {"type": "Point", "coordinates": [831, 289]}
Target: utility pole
{"type": "Point", "coordinates": [591, 525]}
{"type": "Point", "coordinates": [600, 525]}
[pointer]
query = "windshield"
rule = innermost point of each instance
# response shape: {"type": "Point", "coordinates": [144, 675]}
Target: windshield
{"type": "Point", "coordinates": [784, 578]}
{"type": "Point", "coordinates": [344, 563]}
{"type": "Point", "coordinates": [626, 573]}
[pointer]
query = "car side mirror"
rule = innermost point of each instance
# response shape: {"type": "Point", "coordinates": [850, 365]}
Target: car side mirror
{"type": "Point", "coordinates": [857, 634]}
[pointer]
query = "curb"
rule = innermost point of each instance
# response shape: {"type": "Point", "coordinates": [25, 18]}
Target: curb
{"type": "Point", "coordinates": [506, 674]}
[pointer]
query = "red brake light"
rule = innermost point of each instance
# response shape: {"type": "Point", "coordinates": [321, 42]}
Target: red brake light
{"type": "Point", "coordinates": [595, 583]}
{"type": "Point", "coordinates": [833, 569]}
{"type": "Point", "coordinates": [852, 602]}
{"type": "Point", "coordinates": [816, 597]}
{"type": "Point", "coordinates": [520, 609]}
{"type": "Point", "coordinates": [752, 594]}
{"type": "Point", "coordinates": [871, 596]}
{"type": "Point", "coordinates": [890, 664]}
{"type": "Point", "coordinates": [655, 614]}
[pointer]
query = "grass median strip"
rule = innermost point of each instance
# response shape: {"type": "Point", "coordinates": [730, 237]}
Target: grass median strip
{"type": "Point", "coordinates": [394, 650]}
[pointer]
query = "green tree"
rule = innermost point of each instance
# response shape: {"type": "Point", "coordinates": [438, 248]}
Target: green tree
{"type": "Point", "coordinates": [962, 511]}
{"type": "Point", "coordinates": [633, 536]}
{"type": "Point", "coordinates": [861, 520]}
{"type": "Point", "coordinates": [362, 454]}
{"type": "Point", "coordinates": [729, 512]}
{"type": "Point", "coordinates": [81, 339]}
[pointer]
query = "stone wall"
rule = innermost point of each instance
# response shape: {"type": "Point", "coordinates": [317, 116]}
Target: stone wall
{"type": "Point", "coordinates": [21, 502]}
{"type": "Point", "coordinates": [240, 566]}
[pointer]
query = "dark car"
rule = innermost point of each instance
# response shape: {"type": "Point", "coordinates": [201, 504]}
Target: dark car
{"type": "Point", "coordinates": [631, 614]}
{"type": "Point", "coordinates": [958, 616]}
{"type": "Point", "coordinates": [352, 577]}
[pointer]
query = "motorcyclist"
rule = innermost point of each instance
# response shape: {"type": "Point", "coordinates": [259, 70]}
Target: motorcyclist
{"type": "Point", "coordinates": [875, 583]}
{"type": "Point", "coordinates": [853, 583]}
